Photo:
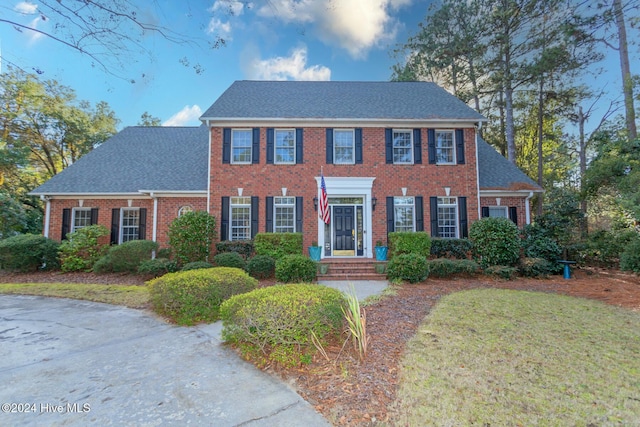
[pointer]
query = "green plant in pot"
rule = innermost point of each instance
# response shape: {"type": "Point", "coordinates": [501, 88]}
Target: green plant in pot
{"type": "Point", "coordinates": [381, 251]}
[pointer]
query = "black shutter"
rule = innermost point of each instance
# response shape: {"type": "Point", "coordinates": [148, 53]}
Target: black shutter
{"type": "Point", "coordinates": [388, 146]}
{"type": "Point", "coordinates": [226, 145]}
{"type": "Point", "coordinates": [484, 212]}
{"type": "Point", "coordinates": [115, 226]}
{"type": "Point", "coordinates": [268, 223]}
{"type": "Point", "coordinates": [299, 211]}
{"type": "Point", "coordinates": [513, 214]}
{"type": "Point", "coordinates": [417, 146]}
{"type": "Point", "coordinates": [419, 201]}
{"type": "Point", "coordinates": [270, 146]}
{"type": "Point", "coordinates": [433, 207]}
{"type": "Point", "coordinates": [358, 145]}
{"type": "Point", "coordinates": [254, 215]}
{"type": "Point", "coordinates": [299, 145]}
{"type": "Point", "coordinates": [66, 223]}
{"type": "Point", "coordinates": [431, 143]}
{"type": "Point", "coordinates": [460, 146]}
{"type": "Point", "coordinates": [255, 145]}
{"type": "Point", "coordinates": [224, 222]}
{"type": "Point", "coordinates": [462, 217]}
{"type": "Point", "coordinates": [329, 146]}
{"type": "Point", "coordinates": [142, 224]}
{"type": "Point", "coordinates": [94, 216]}
{"type": "Point", "coordinates": [391, 221]}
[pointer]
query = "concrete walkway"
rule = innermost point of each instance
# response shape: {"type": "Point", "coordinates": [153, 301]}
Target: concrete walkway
{"type": "Point", "coordinates": [363, 288]}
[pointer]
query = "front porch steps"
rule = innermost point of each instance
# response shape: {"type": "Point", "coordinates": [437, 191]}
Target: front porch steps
{"type": "Point", "coordinates": [350, 269]}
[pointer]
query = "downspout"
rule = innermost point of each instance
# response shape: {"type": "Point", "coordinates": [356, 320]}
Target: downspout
{"type": "Point", "coordinates": [209, 171]}
{"type": "Point", "coordinates": [155, 221]}
{"type": "Point", "coordinates": [47, 214]}
{"type": "Point", "coordinates": [478, 128]}
{"type": "Point", "coordinates": [527, 209]}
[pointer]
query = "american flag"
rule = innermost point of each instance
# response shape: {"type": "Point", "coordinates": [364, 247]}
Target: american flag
{"type": "Point", "coordinates": [324, 202]}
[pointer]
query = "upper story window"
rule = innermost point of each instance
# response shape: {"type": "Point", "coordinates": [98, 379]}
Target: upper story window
{"type": "Point", "coordinates": [402, 146]}
{"type": "Point", "coordinates": [448, 217]}
{"type": "Point", "coordinates": [404, 213]}
{"type": "Point", "coordinates": [241, 144]}
{"type": "Point", "coordinates": [129, 224]}
{"type": "Point", "coordinates": [284, 214]}
{"type": "Point", "coordinates": [343, 146]}
{"type": "Point", "coordinates": [81, 218]}
{"type": "Point", "coordinates": [285, 146]}
{"type": "Point", "coordinates": [240, 218]}
{"type": "Point", "coordinates": [445, 147]}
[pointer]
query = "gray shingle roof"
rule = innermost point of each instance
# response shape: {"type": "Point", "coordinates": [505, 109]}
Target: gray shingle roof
{"type": "Point", "coordinates": [498, 173]}
{"type": "Point", "coordinates": [339, 100]}
{"type": "Point", "coordinates": [139, 158]}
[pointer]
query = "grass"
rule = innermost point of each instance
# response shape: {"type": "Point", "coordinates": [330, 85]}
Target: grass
{"type": "Point", "coordinates": [129, 296]}
{"type": "Point", "coordinates": [511, 358]}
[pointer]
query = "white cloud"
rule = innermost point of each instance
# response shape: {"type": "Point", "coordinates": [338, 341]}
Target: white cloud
{"type": "Point", "coordinates": [293, 67]}
{"type": "Point", "coordinates": [26, 8]}
{"type": "Point", "coordinates": [188, 115]}
{"type": "Point", "coordinates": [219, 28]}
{"type": "Point", "coordinates": [231, 8]}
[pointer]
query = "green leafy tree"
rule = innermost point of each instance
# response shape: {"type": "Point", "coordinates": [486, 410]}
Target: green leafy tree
{"type": "Point", "coordinates": [192, 236]}
{"type": "Point", "coordinates": [148, 120]}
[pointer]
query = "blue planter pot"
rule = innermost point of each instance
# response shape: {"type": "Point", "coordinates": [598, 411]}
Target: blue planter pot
{"type": "Point", "coordinates": [315, 252]}
{"type": "Point", "coordinates": [381, 253]}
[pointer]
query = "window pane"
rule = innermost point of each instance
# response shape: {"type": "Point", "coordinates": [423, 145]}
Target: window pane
{"type": "Point", "coordinates": [402, 147]}
{"type": "Point", "coordinates": [447, 217]}
{"type": "Point", "coordinates": [241, 146]}
{"type": "Point", "coordinates": [130, 225]}
{"type": "Point", "coordinates": [403, 213]}
{"type": "Point", "coordinates": [81, 218]}
{"type": "Point", "coordinates": [498, 211]}
{"type": "Point", "coordinates": [444, 147]}
{"type": "Point", "coordinates": [285, 146]}
{"type": "Point", "coordinates": [240, 218]}
{"type": "Point", "coordinates": [284, 213]}
{"type": "Point", "coordinates": [343, 146]}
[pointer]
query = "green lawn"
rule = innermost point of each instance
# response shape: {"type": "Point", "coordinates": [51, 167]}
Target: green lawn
{"type": "Point", "coordinates": [511, 358]}
{"type": "Point", "coordinates": [129, 296]}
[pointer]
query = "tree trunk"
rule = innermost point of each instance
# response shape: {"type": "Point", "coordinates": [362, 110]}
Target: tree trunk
{"type": "Point", "coordinates": [540, 137]}
{"type": "Point", "coordinates": [584, 229]}
{"type": "Point", "coordinates": [627, 83]}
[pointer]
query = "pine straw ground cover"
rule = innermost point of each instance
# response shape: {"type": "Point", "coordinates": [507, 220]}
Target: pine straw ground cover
{"type": "Point", "coordinates": [350, 393]}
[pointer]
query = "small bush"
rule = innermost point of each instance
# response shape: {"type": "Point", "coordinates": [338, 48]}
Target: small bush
{"type": "Point", "coordinates": [296, 268]}
{"type": "Point", "coordinates": [410, 267]}
{"type": "Point", "coordinates": [604, 248]}
{"type": "Point", "coordinates": [192, 235]}
{"type": "Point", "coordinates": [418, 243]}
{"type": "Point", "coordinates": [198, 264]}
{"type": "Point", "coordinates": [126, 257]}
{"type": "Point", "coordinates": [536, 267]}
{"type": "Point", "coordinates": [276, 323]}
{"type": "Point", "coordinates": [157, 267]}
{"type": "Point", "coordinates": [502, 271]}
{"type": "Point", "coordinates": [277, 245]}
{"type": "Point", "coordinates": [261, 267]}
{"type": "Point", "coordinates": [82, 249]}
{"type": "Point", "coordinates": [451, 248]}
{"type": "Point", "coordinates": [189, 297]}
{"type": "Point", "coordinates": [164, 253]}
{"type": "Point", "coordinates": [28, 252]}
{"type": "Point", "coordinates": [242, 247]}
{"type": "Point", "coordinates": [229, 259]}
{"type": "Point", "coordinates": [445, 267]}
{"type": "Point", "coordinates": [496, 241]}
{"type": "Point", "coordinates": [537, 244]}
{"type": "Point", "coordinates": [630, 257]}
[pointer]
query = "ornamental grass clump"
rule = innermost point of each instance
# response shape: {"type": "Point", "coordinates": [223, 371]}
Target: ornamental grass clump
{"type": "Point", "coordinates": [356, 318]}
{"type": "Point", "coordinates": [189, 297]}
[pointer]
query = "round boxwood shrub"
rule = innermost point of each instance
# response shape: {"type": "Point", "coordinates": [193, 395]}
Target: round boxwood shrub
{"type": "Point", "coordinates": [157, 267]}
{"type": "Point", "coordinates": [410, 267]}
{"type": "Point", "coordinates": [496, 241]}
{"type": "Point", "coordinates": [630, 257]}
{"type": "Point", "coordinates": [28, 252]}
{"type": "Point", "coordinates": [276, 323]}
{"type": "Point", "coordinates": [229, 259]}
{"type": "Point", "coordinates": [189, 297]}
{"type": "Point", "coordinates": [196, 265]}
{"type": "Point", "coordinates": [261, 267]}
{"type": "Point", "coordinates": [296, 268]}
{"type": "Point", "coordinates": [126, 257]}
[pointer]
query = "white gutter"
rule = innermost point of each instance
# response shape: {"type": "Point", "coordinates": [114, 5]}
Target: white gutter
{"type": "Point", "coordinates": [528, 208]}
{"type": "Point", "coordinates": [47, 214]}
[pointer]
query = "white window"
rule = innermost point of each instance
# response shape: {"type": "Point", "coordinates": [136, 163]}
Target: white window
{"type": "Point", "coordinates": [498, 212]}
{"type": "Point", "coordinates": [240, 218]}
{"type": "Point", "coordinates": [344, 146]}
{"type": "Point", "coordinates": [241, 141]}
{"type": "Point", "coordinates": [285, 146]}
{"type": "Point", "coordinates": [129, 224]}
{"type": "Point", "coordinates": [81, 218]}
{"type": "Point", "coordinates": [403, 213]}
{"type": "Point", "coordinates": [445, 147]}
{"type": "Point", "coordinates": [448, 217]}
{"type": "Point", "coordinates": [184, 209]}
{"type": "Point", "coordinates": [284, 214]}
{"type": "Point", "coordinates": [402, 146]}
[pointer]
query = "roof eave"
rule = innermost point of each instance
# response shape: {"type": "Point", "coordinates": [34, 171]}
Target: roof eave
{"type": "Point", "coordinates": [345, 121]}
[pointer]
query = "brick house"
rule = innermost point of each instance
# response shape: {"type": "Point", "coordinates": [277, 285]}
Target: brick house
{"type": "Point", "coordinates": [395, 156]}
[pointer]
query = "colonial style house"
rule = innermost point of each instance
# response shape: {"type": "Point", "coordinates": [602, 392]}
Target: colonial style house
{"type": "Point", "coordinates": [394, 156]}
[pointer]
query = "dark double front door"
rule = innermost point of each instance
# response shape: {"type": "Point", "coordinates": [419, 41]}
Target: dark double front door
{"type": "Point", "coordinates": [344, 232]}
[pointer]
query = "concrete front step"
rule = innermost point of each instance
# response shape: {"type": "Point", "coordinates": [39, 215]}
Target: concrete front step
{"type": "Point", "coordinates": [350, 269]}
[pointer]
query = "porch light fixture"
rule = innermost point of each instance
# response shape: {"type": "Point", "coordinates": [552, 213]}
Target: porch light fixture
{"type": "Point", "coordinates": [315, 203]}
{"type": "Point", "coordinates": [374, 202]}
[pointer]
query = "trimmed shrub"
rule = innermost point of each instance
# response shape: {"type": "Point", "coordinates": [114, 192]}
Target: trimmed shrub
{"type": "Point", "coordinates": [189, 297]}
{"type": "Point", "coordinates": [502, 271]}
{"type": "Point", "coordinates": [198, 264]}
{"type": "Point", "coordinates": [157, 267]}
{"type": "Point", "coordinates": [296, 268]}
{"type": "Point", "coordinates": [261, 267]}
{"type": "Point", "coordinates": [28, 252]}
{"type": "Point", "coordinates": [164, 253]}
{"type": "Point", "coordinates": [536, 267]}
{"type": "Point", "coordinates": [191, 236]}
{"type": "Point", "coordinates": [410, 267]}
{"type": "Point", "coordinates": [630, 257]}
{"type": "Point", "coordinates": [276, 323]}
{"type": "Point", "coordinates": [409, 243]}
{"type": "Point", "coordinates": [536, 243]}
{"type": "Point", "coordinates": [242, 247]}
{"type": "Point", "coordinates": [445, 267]}
{"type": "Point", "coordinates": [229, 259]}
{"type": "Point", "coordinates": [496, 241]}
{"type": "Point", "coordinates": [126, 257]}
{"type": "Point", "coordinates": [451, 248]}
{"type": "Point", "coordinates": [277, 245]}
{"type": "Point", "coordinates": [81, 250]}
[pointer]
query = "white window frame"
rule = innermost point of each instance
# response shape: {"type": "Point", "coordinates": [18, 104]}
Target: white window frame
{"type": "Point", "coordinates": [439, 148]}
{"type": "Point", "coordinates": [234, 147]}
{"type": "Point", "coordinates": [74, 216]}
{"type": "Point", "coordinates": [441, 221]}
{"type": "Point", "coordinates": [292, 148]}
{"type": "Point", "coordinates": [240, 203]}
{"type": "Point", "coordinates": [121, 236]}
{"type": "Point", "coordinates": [501, 208]}
{"type": "Point", "coordinates": [352, 161]}
{"type": "Point", "coordinates": [394, 147]}
{"type": "Point", "coordinates": [184, 209]}
{"type": "Point", "coordinates": [280, 206]}
{"type": "Point", "coordinates": [403, 203]}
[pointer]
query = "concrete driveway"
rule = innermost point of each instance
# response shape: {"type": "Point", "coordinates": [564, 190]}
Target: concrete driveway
{"type": "Point", "coordinates": [72, 363]}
